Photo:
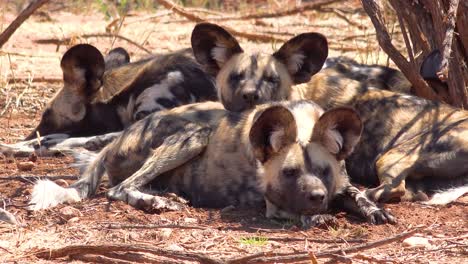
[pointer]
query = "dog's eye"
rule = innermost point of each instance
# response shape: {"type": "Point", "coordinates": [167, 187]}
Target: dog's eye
{"type": "Point", "coordinates": [325, 171]}
{"type": "Point", "coordinates": [291, 173]}
{"type": "Point", "coordinates": [236, 76]}
{"type": "Point", "coordinates": [271, 79]}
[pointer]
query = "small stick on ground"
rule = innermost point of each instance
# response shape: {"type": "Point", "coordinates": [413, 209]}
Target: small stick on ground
{"type": "Point", "coordinates": [118, 226]}
{"type": "Point", "coordinates": [315, 5]}
{"type": "Point", "coordinates": [65, 41]}
{"type": "Point", "coordinates": [250, 36]}
{"type": "Point", "coordinates": [34, 80]}
{"type": "Point", "coordinates": [303, 256]}
{"type": "Point", "coordinates": [104, 250]}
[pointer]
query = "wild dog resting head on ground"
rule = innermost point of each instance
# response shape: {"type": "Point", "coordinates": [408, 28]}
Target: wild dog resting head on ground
{"type": "Point", "coordinates": [411, 148]}
{"type": "Point", "coordinates": [102, 95]}
{"type": "Point", "coordinates": [288, 154]}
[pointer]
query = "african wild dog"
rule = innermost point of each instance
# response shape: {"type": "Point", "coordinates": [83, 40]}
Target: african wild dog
{"type": "Point", "coordinates": [287, 154]}
{"type": "Point", "coordinates": [386, 78]}
{"type": "Point", "coordinates": [405, 137]}
{"type": "Point", "coordinates": [102, 95]}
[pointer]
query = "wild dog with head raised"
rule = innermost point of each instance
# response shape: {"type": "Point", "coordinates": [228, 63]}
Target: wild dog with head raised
{"type": "Point", "coordinates": [287, 154]}
{"type": "Point", "coordinates": [405, 137]}
{"type": "Point", "coordinates": [102, 95]}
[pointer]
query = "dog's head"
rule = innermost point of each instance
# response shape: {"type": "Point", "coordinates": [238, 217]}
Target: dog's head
{"type": "Point", "coordinates": [83, 67]}
{"type": "Point", "coordinates": [244, 80]}
{"type": "Point", "coordinates": [300, 148]}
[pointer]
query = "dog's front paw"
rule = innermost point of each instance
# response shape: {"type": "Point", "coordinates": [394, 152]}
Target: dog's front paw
{"type": "Point", "coordinates": [380, 216]}
{"type": "Point", "coordinates": [320, 220]}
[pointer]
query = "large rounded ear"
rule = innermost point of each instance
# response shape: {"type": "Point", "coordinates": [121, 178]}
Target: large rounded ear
{"type": "Point", "coordinates": [83, 67]}
{"type": "Point", "coordinates": [273, 129]}
{"type": "Point", "coordinates": [303, 55]}
{"type": "Point", "coordinates": [431, 65]}
{"type": "Point", "coordinates": [116, 58]}
{"type": "Point", "coordinates": [339, 130]}
{"type": "Point", "coordinates": [213, 46]}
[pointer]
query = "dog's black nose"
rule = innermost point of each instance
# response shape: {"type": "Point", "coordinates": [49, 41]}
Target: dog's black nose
{"type": "Point", "coordinates": [317, 196]}
{"type": "Point", "coordinates": [250, 97]}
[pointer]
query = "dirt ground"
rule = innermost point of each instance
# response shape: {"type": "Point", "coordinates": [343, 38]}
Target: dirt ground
{"type": "Point", "coordinates": [219, 234]}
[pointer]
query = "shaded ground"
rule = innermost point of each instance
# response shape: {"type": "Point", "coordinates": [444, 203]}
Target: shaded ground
{"type": "Point", "coordinates": [217, 233]}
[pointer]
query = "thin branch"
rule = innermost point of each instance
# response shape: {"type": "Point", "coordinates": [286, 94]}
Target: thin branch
{"type": "Point", "coordinates": [265, 257]}
{"type": "Point", "coordinates": [65, 41]}
{"type": "Point", "coordinates": [422, 89]}
{"type": "Point", "coordinates": [106, 249]}
{"type": "Point", "coordinates": [34, 80]}
{"type": "Point", "coordinates": [448, 40]}
{"type": "Point", "coordinates": [158, 15]}
{"type": "Point", "coordinates": [119, 226]}
{"type": "Point", "coordinates": [299, 9]}
{"type": "Point", "coordinates": [25, 14]}
{"type": "Point", "coordinates": [405, 36]}
{"type": "Point", "coordinates": [250, 36]}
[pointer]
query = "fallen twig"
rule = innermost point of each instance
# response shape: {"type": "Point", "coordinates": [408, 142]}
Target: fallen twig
{"type": "Point", "coordinates": [299, 9]}
{"type": "Point", "coordinates": [158, 15]}
{"type": "Point", "coordinates": [105, 250]}
{"type": "Point", "coordinates": [65, 41]}
{"type": "Point", "coordinates": [314, 240]}
{"type": "Point", "coordinates": [34, 80]}
{"type": "Point", "coordinates": [119, 226]}
{"type": "Point", "coordinates": [250, 36]}
{"type": "Point", "coordinates": [266, 257]}
{"type": "Point", "coordinates": [342, 15]}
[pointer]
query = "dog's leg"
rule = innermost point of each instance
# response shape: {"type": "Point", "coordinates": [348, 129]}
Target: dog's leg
{"type": "Point", "coordinates": [356, 201]}
{"type": "Point", "coordinates": [93, 143]}
{"type": "Point", "coordinates": [176, 150]}
{"type": "Point", "coordinates": [392, 169]}
{"type": "Point", "coordinates": [56, 144]}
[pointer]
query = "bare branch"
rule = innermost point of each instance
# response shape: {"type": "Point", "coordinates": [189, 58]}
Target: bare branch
{"type": "Point", "coordinates": [66, 41]}
{"type": "Point", "coordinates": [25, 14]}
{"type": "Point", "coordinates": [420, 86]}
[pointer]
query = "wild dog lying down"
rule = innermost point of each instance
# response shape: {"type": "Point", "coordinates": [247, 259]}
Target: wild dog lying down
{"type": "Point", "coordinates": [406, 142]}
{"type": "Point", "coordinates": [404, 137]}
{"type": "Point", "coordinates": [102, 95]}
{"type": "Point", "coordinates": [287, 154]}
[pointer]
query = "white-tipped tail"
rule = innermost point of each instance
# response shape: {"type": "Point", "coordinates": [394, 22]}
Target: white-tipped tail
{"type": "Point", "coordinates": [47, 194]}
{"type": "Point", "coordinates": [447, 196]}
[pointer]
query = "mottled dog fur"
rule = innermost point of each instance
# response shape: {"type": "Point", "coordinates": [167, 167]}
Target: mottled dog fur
{"type": "Point", "coordinates": [287, 154]}
{"type": "Point", "coordinates": [405, 137]}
